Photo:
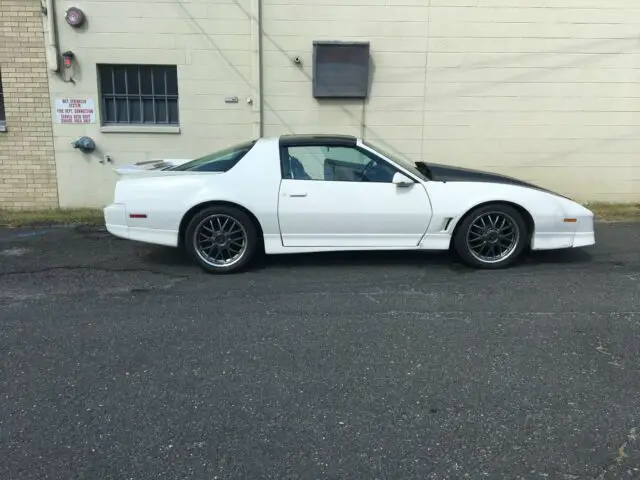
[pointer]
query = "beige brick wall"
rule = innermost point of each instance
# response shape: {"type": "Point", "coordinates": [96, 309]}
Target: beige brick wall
{"type": "Point", "coordinates": [27, 165]}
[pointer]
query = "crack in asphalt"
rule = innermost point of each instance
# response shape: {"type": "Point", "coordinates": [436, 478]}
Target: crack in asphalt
{"type": "Point", "coordinates": [498, 312]}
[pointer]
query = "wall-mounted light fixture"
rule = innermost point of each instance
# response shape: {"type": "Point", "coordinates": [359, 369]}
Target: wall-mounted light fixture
{"type": "Point", "coordinates": [75, 17]}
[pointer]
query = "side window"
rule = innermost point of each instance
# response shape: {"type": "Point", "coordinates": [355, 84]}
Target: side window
{"type": "Point", "coordinates": [334, 164]}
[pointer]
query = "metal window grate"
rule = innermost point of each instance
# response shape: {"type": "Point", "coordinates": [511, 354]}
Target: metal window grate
{"type": "Point", "coordinates": [3, 118]}
{"type": "Point", "coordinates": [139, 94]}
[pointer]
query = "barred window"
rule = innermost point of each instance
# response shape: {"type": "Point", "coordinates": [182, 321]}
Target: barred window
{"type": "Point", "coordinates": [139, 94]}
{"type": "Point", "coordinates": [3, 120]}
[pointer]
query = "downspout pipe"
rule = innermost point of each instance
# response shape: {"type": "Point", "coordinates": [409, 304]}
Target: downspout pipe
{"type": "Point", "coordinates": [260, 66]}
{"type": "Point", "coordinates": [49, 25]}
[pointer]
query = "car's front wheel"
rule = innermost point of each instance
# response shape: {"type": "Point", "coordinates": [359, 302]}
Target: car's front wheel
{"type": "Point", "coordinates": [221, 239]}
{"type": "Point", "coordinates": [491, 236]}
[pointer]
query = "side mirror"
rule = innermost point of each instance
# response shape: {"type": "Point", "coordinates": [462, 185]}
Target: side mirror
{"type": "Point", "coordinates": [401, 180]}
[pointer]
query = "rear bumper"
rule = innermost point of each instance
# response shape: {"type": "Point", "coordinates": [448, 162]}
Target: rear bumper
{"type": "Point", "coordinates": [115, 219]}
{"type": "Point", "coordinates": [116, 222]}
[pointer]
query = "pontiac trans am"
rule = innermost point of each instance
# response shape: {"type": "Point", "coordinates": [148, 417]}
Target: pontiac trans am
{"type": "Point", "coordinates": [319, 193]}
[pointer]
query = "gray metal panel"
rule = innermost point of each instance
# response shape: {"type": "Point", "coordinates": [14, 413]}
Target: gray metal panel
{"type": "Point", "coordinates": [340, 69]}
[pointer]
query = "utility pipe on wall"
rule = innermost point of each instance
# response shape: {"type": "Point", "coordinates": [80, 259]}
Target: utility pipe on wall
{"type": "Point", "coordinates": [261, 66]}
{"type": "Point", "coordinates": [49, 25]}
{"type": "Point", "coordinates": [257, 84]}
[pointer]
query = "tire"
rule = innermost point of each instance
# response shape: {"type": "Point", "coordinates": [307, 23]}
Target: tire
{"type": "Point", "coordinates": [213, 234]}
{"type": "Point", "coordinates": [479, 240]}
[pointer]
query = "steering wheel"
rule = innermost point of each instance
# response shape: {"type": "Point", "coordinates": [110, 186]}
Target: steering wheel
{"type": "Point", "coordinates": [369, 166]}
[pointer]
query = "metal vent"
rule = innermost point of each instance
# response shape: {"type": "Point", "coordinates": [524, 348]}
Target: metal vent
{"type": "Point", "coordinates": [340, 69]}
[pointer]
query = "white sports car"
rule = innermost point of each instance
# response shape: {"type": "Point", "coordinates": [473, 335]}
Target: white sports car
{"type": "Point", "coordinates": [319, 193]}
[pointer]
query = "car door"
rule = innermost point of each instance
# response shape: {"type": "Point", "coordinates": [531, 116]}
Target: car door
{"type": "Point", "coordinates": [343, 196]}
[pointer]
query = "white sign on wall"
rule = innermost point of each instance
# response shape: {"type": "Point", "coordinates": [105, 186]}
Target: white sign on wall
{"type": "Point", "coordinates": [75, 110]}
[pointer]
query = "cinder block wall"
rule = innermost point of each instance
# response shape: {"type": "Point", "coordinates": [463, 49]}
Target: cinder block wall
{"type": "Point", "coordinates": [212, 44]}
{"type": "Point", "coordinates": [543, 90]}
{"type": "Point", "coordinates": [27, 163]}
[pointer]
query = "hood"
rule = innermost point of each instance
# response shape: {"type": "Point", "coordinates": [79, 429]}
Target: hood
{"type": "Point", "coordinates": [447, 173]}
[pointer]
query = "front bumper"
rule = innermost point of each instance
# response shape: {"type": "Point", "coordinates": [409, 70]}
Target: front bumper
{"type": "Point", "coordinates": [572, 226]}
{"type": "Point", "coordinates": [584, 234]}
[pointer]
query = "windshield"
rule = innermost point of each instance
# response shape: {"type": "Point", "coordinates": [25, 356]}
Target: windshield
{"type": "Point", "coordinates": [400, 160]}
{"type": "Point", "coordinates": [220, 161]}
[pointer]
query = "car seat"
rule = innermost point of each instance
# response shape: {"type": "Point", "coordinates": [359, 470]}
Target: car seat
{"type": "Point", "coordinates": [295, 169]}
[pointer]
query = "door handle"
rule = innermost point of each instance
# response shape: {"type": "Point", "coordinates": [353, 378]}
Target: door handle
{"type": "Point", "coordinates": [298, 194]}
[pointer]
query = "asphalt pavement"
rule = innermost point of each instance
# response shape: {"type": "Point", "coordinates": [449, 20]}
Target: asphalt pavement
{"type": "Point", "coordinates": [125, 361]}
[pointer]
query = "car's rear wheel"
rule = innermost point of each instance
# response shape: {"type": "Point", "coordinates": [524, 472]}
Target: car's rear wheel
{"type": "Point", "coordinates": [492, 237]}
{"type": "Point", "coordinates": [222, 239]}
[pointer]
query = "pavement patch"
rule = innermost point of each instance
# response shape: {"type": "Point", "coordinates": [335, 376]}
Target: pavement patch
{"type": "Point", "coordinates": [85, 281]}
{"type": "Point", "coordinates": [14, 252]}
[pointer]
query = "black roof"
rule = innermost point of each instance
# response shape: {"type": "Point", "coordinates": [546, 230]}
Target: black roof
{"type": "Point", "coordinates": [322, 139]}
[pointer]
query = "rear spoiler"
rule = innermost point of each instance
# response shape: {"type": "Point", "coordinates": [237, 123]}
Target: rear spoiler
{"type": "Point", "coordinates": [150, 166]}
